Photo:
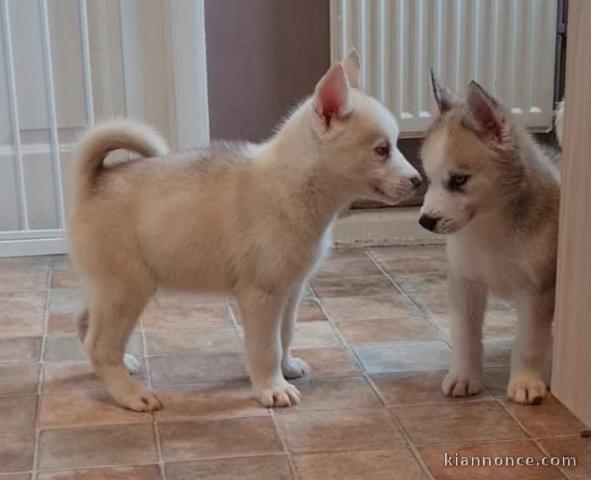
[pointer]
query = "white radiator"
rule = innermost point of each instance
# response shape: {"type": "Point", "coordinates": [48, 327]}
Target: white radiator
{"type": "Point", "coordinates": [506, 45]}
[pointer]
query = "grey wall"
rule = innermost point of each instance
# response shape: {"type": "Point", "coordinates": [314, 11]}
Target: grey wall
{"type": "Point", "coordinates": [262, 57]}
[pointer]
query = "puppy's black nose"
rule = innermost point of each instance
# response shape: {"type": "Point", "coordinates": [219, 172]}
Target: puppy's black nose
{"type": "Point", "coordinates": [428, 222]}
{"type": "Point", "coordinates": [416, 181]}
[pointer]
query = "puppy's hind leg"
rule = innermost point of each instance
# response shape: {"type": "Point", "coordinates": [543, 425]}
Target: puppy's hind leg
{"type": "Point", "coordinates": [131, 363]}
{"type": "Point", "coordinates": [293, 367]}
{"type": "Point", "coordinates": [113, 315]}
{"type": "Point", "coordinates": [468, 305]}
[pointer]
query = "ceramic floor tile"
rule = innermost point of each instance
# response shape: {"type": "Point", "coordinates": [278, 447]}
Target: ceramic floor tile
{"type": "Point", "coordinates": [16, 324]}
{"type": "Point", "coordinates": [17, 451]}
{"type": "Point", "coordinates": [460, 422]}
{"type": "Point", "coordinates": [352, 286]}
{"type": "Point", "coordinates": [19, 379]}
{"type": "Point", "coordinates": [217, 400]}
{"type": "Point", "coordinates": [59, 348]}
{"type": "Point", "coordinates": [66, 299]}
{"type": "Point", "coordinates": [275, 467]}
{"type": "Point", "coordinates": [568, 447]}
{"type": "Point", "coordinates": [341, 309]}
{"type": "Point", "coordinates": [76, 409]}
{"type": "Point", "coordinates": [347, 264]}
{"type": "Point", "coordinates": [212, 426]}
{"type": "Point", "coordinates": [411, 388]}
{"type": "Point", "coordinates": [387, 330]}
{"type": "Point", "coordinates": [25, 302]}
{"type": "Point", "coordinates": [497, 352]}
{"type": "Point", "coordinates": [309, 311]}
{"type": "Point", "coordinates": [415, 283]}
{"type": "Point", "coordinates": [20, 349]}
{"type": "Point", "coordinates": [498, 324]}
{"type": "Point", "coordinates": [59, 323]}
{"type": "Point", "coordinates": [403, 357]}
{"type": "Point", "coordinates": [17, 413]}
{"type": "Point", "coordinates": [334, 394]}
{"type": "Point", "coordinates": [338, 430]}
{"type": "Point", "coordinates": [375, 465]}
{"type": "Point", "coordinates": [497, 379]}
{"type": "Point", "coordinates": [196, 369]}
{"type": "Point", "coordinates": [65, 278]}
{"type": "Point", "coordinates": [97, 446]}
{"type": "Point", "coordinates": [202, 340]}
{"type": "Point", "coordinates": [201, 439]}
{"type": "Point", "coordinates": [315, 335]}
{"type": "Point", "coordinates": [329, 362]}
{"type": "Point", "coordinates": [550, 418]}
{"type": "Point", "coordinates": [73, 376]}
{"type": "Point", "coordinates": [144, 472]}
{"type": "Point", "coordinates": [18, 265]}
{"type": "Point", "coordinates": [33, 279]}
{"type": "Point", "coordinates": [435, 459]}
{"type": "Point", "coordinates": [435, 302]}
{"type": "Point", "coordinates": [173, 318]}
{"type": "Point", "coordinates": [405, 260]}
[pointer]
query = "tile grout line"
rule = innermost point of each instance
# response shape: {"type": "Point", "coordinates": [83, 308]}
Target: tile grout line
{"type": "Point", "coordinates": [371, 384]}
{"type": "Point", "coordinates": [400, 289]}
{"type": "Point", "coordinates": [49, 275]}
{"type": "Point", "coordinates": [546, 452]}
{"type": "Point", "coordinates": [292, 469]}
{"type": "Point", "coordinates": [411, 446]}
{"type": "Point", "coordinates": [155, 429]}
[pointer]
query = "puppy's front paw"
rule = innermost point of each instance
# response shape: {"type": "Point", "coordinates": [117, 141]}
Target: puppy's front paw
{"type": "Point", "coordinates": [461, 385]}
{"type": "Point", "coordinates": [140, 401]}
{"type": "Point", "coordinates": [527, 389]}
{"type": "Point", "coordinates": [284, 394]}
{"type": "Point", "coordinates": [294, 367]}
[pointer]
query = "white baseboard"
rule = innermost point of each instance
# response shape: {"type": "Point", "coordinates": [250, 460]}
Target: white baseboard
{"type": "Point", "coordinates": [368, 227]}
{"type": "Point", "coordinates": [383, 227]}
{"type": "Point", "coordinates": [33, 246]}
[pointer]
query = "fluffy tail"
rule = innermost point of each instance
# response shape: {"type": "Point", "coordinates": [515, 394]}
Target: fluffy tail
{"type": "Point", "coordinates": [98, 142]}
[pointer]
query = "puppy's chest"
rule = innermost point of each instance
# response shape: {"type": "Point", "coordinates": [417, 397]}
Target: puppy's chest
{"type": "Point", "coordinates": [494, 267]}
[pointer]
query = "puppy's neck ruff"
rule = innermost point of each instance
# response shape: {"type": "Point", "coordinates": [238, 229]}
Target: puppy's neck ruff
{"type": "Point", "coordinates": [295, 161]}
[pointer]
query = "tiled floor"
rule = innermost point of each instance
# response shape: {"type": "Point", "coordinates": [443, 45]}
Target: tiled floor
{"type": "Point", "coordinates": [374, 326]}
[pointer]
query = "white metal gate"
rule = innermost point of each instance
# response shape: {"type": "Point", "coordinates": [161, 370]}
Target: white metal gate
{"type": "Point", "coordinates": [66, 62]}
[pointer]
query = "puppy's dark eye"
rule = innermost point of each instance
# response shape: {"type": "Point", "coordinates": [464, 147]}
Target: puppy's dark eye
{"type": "Point", "coordinates": [383, 149]}
{"type": "Point", "coordinates": [458, 181]}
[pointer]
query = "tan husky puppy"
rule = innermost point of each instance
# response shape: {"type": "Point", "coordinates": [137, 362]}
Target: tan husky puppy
{"type": "Point", "coordinates": [247, 220]}
{"type": "Point", "coordinates": [495, 193]}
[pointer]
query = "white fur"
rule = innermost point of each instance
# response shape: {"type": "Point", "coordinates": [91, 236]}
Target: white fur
{"type": "Point", "coordinates": [501, 228]}
{"type": "Point", "coordinates": [250, 221]}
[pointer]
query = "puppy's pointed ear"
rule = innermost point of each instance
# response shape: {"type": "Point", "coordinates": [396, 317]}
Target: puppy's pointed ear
{"type": "Point", "coordinates": [485, 114]}
{"type": "Point", "coordinates": [332, 98]}
{"type": "Point", "coordinates": [443, 98]}
{"type": "Point", "coordinates": [352, 66]}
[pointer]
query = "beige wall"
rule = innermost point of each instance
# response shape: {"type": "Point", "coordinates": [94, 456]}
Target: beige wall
{"type": "Point", "coordinates": [262, 57]}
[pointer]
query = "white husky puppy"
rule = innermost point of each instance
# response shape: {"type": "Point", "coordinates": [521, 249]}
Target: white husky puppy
{"type": "Point", "coordinates": [247, 220]}
{"type": "Point", "coordinates": [495, 193]}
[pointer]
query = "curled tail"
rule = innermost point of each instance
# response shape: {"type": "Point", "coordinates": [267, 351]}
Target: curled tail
{"type": "Point", "coordinates": [98, 142]}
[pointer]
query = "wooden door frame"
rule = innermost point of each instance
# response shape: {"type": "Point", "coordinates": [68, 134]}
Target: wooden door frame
{"type": "Point", "coordinates": [571, 374]}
